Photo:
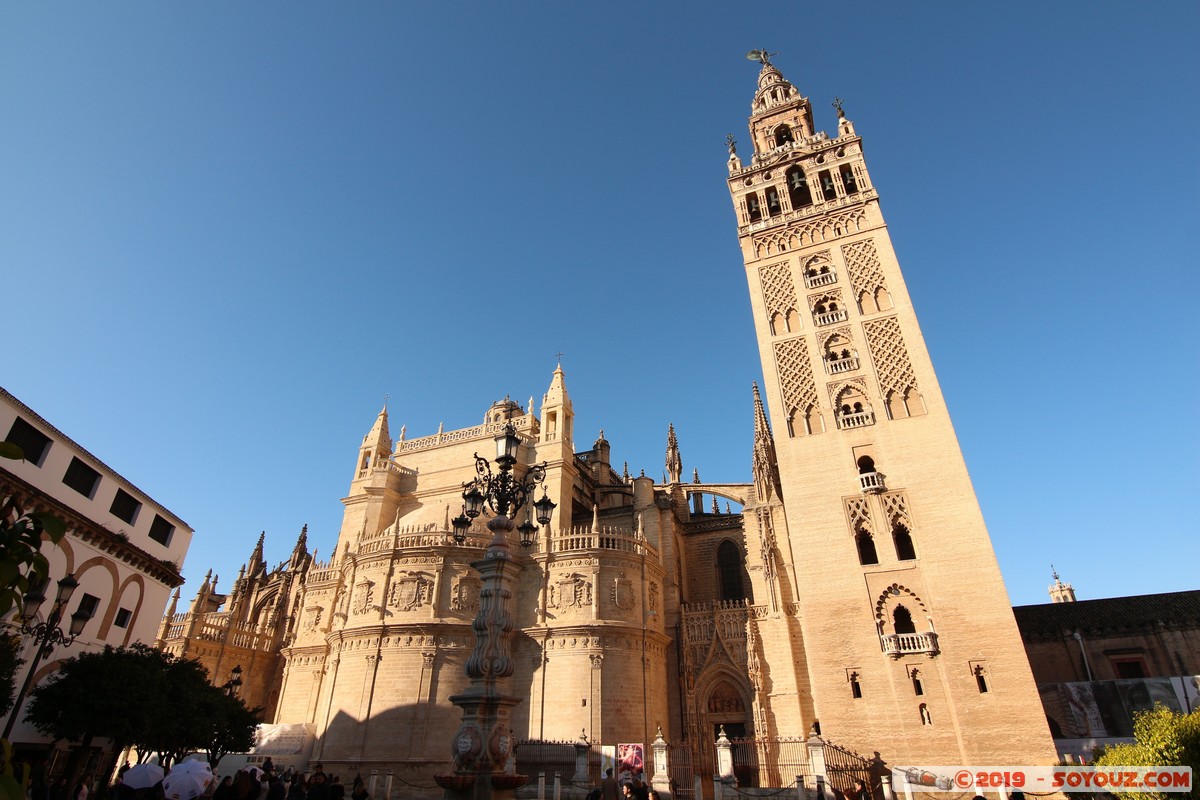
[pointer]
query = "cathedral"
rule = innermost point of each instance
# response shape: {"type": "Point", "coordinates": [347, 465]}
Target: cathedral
{"type": "Point", "coordinates": [849, 587]}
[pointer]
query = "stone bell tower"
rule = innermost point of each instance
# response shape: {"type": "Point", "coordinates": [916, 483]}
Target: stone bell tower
{"type": "Point", "coordinates": [909, 636]}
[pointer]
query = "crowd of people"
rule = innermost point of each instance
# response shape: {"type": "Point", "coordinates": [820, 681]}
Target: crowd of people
{"type": "Point", "coordinates": [258, 783]}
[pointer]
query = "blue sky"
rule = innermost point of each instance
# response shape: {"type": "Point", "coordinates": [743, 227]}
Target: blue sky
{"type": "Point", "coordinates": [228, 230]}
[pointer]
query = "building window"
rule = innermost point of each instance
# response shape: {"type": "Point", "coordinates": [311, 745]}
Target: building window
{"type": "Point", "coordinates": [783, 135]}
{"type": "Point", "coordinates": [1133, 667]}
{"type": "Point", "coordinates": [855, 686]}
{"type": "Point", "coordinates": [125, 507]}
{"type": "Point", "coordinates": [828, 190]}
{"type": "Point", "coordinates": [161, 530]}
{"type": "Point", "coordinates": [848, 179]}
{"type": "Point", "coordinates": [798, 190]}
{"type": "Point", "coordinates": [904, 544]}
{"type": "Point", "coordinates": [866, 547]}
{"type": "Point", "coordinates": [33, 443]}
{"type": "Point", "coordinates": [753, 207]}
{"type": "Point", "coordinates": [918, 689]}
{"type": "Point", "coordinates": [980, 680]}
{"type": "Point", "coordinates": [88, 605]}
{"type": "Point", "coordinates": [902, 621]}
{"type": "Point", "coordinates": [82, 478]}
{"type": "Point", "coordinates": [729, 568]}
{"type": "Point", "coordinates": [773, 206]}
{"type": "Point", "coordinates": [122, 618]}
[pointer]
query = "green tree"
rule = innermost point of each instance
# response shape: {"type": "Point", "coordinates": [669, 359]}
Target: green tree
{"type": "Point", "coordinates": [142, 697]}
{"type": "Point", "coordinates": [1161, 738]}
{"type": "Point", "coordinates": [10, 662]}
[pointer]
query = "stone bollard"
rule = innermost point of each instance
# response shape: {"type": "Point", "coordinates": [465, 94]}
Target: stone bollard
{"type": "Point", "coordinates": [661, 781]}
{"type": "Point", "coordinates": [387, 785]}
{"type": "Point", "coordinates": [557, 786]}
{"type": "Point", "coordinates": [372, 782]}
{"type": "Point", "coordinates": [725, 758]}
{"type": "Point", "coordinates": [886, 782]}
{"type": "Point", "coordinates": [800, 788]}
{"type": "Point", "coordinates": [542, 785]}
{"type": "Point", "coordinates": [581, 777]}
{"type": "Point", "coordinates": [816, 760]}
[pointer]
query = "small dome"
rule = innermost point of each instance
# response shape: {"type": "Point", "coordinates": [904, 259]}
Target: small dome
{"type": "Point", "coordinates": [503, 410]}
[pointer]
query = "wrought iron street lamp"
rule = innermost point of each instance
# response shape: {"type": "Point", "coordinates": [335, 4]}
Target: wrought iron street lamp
{"type": "Point", "coordinates": [47, 634]}
{"type": "Point", "coordinates": [483, 742]}
{"type": "Point", "coordinates": [233, 686]}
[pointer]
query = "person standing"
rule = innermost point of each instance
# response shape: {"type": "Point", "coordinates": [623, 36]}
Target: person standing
{"type": "Point", "coordinates": [608, 786]}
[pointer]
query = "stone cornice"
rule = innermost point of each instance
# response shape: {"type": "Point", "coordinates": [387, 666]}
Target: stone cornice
{"type": "Point", "coordinates": [90, 532]}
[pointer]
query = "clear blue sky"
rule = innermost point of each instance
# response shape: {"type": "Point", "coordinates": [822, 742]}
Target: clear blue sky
{"type": "Point", "coordinates": [229, 229]}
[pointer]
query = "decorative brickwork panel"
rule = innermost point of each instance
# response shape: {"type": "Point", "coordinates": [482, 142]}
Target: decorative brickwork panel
{"type": "Point", "coordinates": [892, 364]}
{"type": "Point", "coordinates": [895, 508]}
{"type": "Point", "coordinates": [795, 374]}
{"type": "Point", "coordinates": [858, 512]}
{"type": "Point", "coordinates": [779, 293]}
{"type": "Point", "coordinates": [862, 264]}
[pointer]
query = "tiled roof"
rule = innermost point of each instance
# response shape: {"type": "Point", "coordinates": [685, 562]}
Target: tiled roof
{"type": "Point", "coordinates": [1140, 612]}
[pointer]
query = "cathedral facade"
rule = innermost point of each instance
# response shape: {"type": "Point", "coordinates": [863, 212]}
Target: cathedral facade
{"type": "Point", "coordinates": [853, 590]}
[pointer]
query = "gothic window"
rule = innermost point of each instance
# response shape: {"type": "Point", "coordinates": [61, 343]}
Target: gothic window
{"type": "Point", "coordinates": [904, 543]}
{"type": "Point", "coordinates": [902, 621]}
{"type": "Point", "coordinates": [753, 207]}
{"type": "Point", "coordinates": [848, 179]}
{"type": "Point", "coordinates": [828, 189]}
{"type": "Point", "coordinates": [729, 570]}
{"type": "Point", "coordinates": [798, 190]}
{"type": "Point", "coordinates": [866, 547]}
{"type": "Point", "coordinates": [783, 135]}
{"type": "Point", "coordinates": [773, 206]}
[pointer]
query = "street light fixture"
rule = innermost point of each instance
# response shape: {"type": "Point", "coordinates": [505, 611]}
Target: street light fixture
{"type": "Point", "coordinates": [233, 686]}
{"type": "Point", "coordinates": [47, 634]}
{"type": "Point", "coordinates": [483, 742]}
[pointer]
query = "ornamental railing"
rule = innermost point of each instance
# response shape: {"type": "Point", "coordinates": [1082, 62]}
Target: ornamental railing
{"type": "Point", "coordinates": [908, 644]}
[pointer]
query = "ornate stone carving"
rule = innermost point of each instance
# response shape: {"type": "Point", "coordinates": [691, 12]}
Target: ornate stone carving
{"type": "Point", "coordinates": [464, 596]}
{"type": "Point", "coordinates": [622, 592]}
{"type": "Point", "coordinates": [571, 591]}
{"type": "Point", "coordinates": [779, 293]}
{"type": "Point", "coordinates": [312, 617]}
{"type": "Point", "coordinates": [890, 356]}
{"type": "Point", "coordinates": [363, 596]}
{"type": "Point", "coordinates": [410, 590]}
{"type": "Point", "coordinates": [795, 375]}
{"type": "Point", "coordinates": [862, 265]}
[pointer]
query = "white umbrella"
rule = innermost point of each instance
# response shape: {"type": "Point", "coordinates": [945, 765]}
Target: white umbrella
{"type": "Point", "coordinates": [188, 780]}
{"type": "Point", "coordinates": [142, 776]}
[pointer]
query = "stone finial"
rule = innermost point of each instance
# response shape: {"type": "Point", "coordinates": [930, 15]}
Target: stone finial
{"type": "Point", "coordinates": [674, 461]}
{"type": "Point", "coordinates": [696, 475]}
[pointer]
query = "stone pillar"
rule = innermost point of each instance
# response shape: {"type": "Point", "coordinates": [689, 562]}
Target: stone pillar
{"type": "Point", "coordinates": [582, 747]}
{"type": "Point", "coordinates": [886, 782]}
{"type": "Point", "coordinates": [661, 781]}
{"type": "Point", "coordinates": [725, 759]}
{"type": "Point", "coordinates": [816, 760]}
{"type": "Point", "coordinates": [800, 788]}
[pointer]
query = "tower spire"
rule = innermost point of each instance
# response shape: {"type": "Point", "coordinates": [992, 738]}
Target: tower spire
{"type": "Point", "coordinates": [557, 414]}
{"type": "Point", "coordinates": [764, 466]}
{"type": "Point", "coordinates": [257, 563]}
{"type": "Point", "coordinates": [674, 462]}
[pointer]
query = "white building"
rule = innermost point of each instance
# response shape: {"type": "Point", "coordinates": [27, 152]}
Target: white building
{"type": "Point", "coordinates": [124, 548]}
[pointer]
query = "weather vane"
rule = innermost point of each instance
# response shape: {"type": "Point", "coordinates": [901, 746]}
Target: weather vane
{"type": "Point", "coordinates": [731, 143]}
{"type": "Point", "coordinates": [837, 103]}
{"type": "Point", "coordinates": [761, 56]}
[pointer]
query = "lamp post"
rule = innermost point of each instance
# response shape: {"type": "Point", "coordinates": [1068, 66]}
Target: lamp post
{"type": "Point", "coordinates": [483, 742]}
{"type": "Point", "coordinates": [233, 686]}
{"type": "Point", "coordinates": [47, 634]}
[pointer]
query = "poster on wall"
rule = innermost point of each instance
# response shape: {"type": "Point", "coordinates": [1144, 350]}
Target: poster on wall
{"type": "Point", "coordinates": [631, 760]}
{"type": "Point", "coordinates": [608, 758]}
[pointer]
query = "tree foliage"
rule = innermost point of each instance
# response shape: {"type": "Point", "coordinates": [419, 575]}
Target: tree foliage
{"type": "Point", "coordinates": [143, 697]}
{"type": "Point", "coordinates": [1161, 738]}
{"type": "Point", "coordinates": [10, 662]}
{"type": "Point", "coordinates": [22, 564]}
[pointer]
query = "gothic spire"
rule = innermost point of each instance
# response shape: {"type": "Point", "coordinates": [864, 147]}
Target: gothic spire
{"type": "Point", "coordinates": [257, 563]}
{"type": "Point", "coordinates": [765, 468]}
{"type": "Point", "coordinates": [300, 551]}
{"type": "Point", "coordinates": [674, 462]}
{"type": "Point", "coordinates": [378, 438]}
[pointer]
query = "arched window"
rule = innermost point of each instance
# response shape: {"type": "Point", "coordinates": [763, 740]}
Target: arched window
{"type": "Point", "coordinates": [729, 570]}
{"type": "Point", "coordinates": [904, 542]}
{"type": "Point", "coordinates": [783, 135]}
{"type": "Point", "coordinates": [753, 207]}
{"type": "Point", "coordinates": [798, 190]}
{"type": "Point", "coordinates": [773, 206]}
{"type": "Point", "coordinates": [902, 621]}
{"type": "Point", "coordinates": [866, 464]}
{"type": "Point", "coordinates": [866, 547]}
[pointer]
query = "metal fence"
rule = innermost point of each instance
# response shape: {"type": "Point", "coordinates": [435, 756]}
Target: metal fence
{"type": "Point", "coordinates": [549, 757]}
{"type": "Point", "coordinates": [766, 762]}
{"type": "Point", "coordinates": [843, 767]}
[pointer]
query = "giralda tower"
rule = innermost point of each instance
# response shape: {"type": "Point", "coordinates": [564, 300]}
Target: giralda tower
{"type": "Point", "coordinates": [910, 644]}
